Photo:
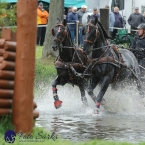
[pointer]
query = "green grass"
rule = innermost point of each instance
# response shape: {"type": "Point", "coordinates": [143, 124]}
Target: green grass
{"type": "Point", "coordinates": [5, 124]}
{"type": "Point", "coordinates": [44, 72]}
{"type": "Point", "coordinates": [44, 68]}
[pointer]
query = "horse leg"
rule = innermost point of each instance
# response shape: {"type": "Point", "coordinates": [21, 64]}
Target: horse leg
{"type": "Point", "coordinates": [57, 102]}
{"type": "Point", "coordinates": [94, 81]}
{"type": "Point", "coordinates": [104, 86]}
{"type": "Point", "coordinates": [83, 97]}
{"type": "Point", "coordinates": [140, 88]}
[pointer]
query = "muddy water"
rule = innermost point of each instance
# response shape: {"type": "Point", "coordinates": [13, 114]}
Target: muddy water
{"type": "Point", "coordinates": [122, 118]}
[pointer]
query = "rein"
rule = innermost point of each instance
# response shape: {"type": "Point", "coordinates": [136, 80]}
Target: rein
{"type": "Point", "coordinates": [96, 36]}
{"type": "Point", "coordinates": [65, 34]}
{"type": "Point", "coordinates": [101, 47]}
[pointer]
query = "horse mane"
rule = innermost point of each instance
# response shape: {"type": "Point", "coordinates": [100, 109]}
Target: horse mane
{"type": "Point", "coordinates": [95, 21]}
{"type": "Point", "coordinates": [104, 31]}
{"type": "Point", "coordinates": [101, 31]}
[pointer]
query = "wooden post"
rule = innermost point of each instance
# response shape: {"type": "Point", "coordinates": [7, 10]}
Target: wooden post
{"type": "Point", "coordinates": [25, 66]}
{"type": "Point", "coordinates": [104, 18]}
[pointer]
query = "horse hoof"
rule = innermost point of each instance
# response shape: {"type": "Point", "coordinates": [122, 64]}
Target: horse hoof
{"type": "Point", "coordinates": [84, 101]}
{"type": "Point", "coordinates": [96, 110]}
{"type": "Point", "coordinates": [57, 104]}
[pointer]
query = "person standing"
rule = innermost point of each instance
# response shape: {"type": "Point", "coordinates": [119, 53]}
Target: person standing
{"type": "Point", "coordinates": [69, 11]}
{"type": "Point", "coordinates": [42, 19]}
{"type": "Point", "coordinates": [111, 21]}
{"type": "Point", "coordinates": [95, 14]}
{"type": "Point", "coordinates": [80, 14]}
{"type": "Point", "coordinates": [118, 21]}
{"type": "Point", "coordinates": [134, 20]}
{"type": "Point", "coordinates": [73, 18]}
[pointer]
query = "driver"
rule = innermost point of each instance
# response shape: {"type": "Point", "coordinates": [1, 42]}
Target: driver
{"type": "Point", "coordinates": [138, 42]}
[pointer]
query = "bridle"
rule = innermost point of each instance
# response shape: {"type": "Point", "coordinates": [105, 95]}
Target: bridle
{"type": "Point", "coordinates": [60, 40]}
{"type": "Point", "coordinates": [96, 35]}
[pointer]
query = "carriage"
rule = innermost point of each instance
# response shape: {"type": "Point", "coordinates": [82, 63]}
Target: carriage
{"type": "Point", "coordinates": [123, 37]}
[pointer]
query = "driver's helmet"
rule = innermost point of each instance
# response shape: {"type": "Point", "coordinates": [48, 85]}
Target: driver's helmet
{"type": "Point", "coordinates": [141, 26]}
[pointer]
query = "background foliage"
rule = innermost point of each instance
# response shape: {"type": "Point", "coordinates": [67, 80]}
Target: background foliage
{"type": "Point", "coordinates": [7, 14]}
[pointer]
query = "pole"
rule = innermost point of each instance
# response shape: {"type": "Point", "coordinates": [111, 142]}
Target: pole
{"type": "Point", "coordinates": [25, 61]}
{"type": "Point", "coordinates": [104, 18]}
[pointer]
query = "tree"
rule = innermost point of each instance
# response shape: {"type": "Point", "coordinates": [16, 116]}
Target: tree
{"type": "Point", "coordinates": [56, 10]}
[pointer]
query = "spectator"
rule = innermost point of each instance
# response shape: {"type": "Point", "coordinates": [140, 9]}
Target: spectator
{"type": "Point", "coordinates": [80, 14]}
{"type": "Point", "coordinates": [69, 11]}
{"type": "Point", "coordinates": [73, 18]}
{"type": "Point", "coordinates": [118, 21]}
{"type": "Point", "coordinates": [42, 19]}
{"type": "Point", "coordinates": [111, 21]}
{"type": "Point", "coordinates": [95, 14]}
{"type": "Point", "coordinates": [64, 15]}
{"type": "Point", "coordinates": [135, 19]}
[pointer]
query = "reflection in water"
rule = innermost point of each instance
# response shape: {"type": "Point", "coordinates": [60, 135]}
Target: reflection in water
{"type": "Point", "coordinates": [121, 119]}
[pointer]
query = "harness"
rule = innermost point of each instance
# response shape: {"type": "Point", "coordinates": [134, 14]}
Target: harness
{"type": "Point", "coordinates": [96, 35]}
{"type": "Point", "coordinates": [102, 59]}
{"type": "Point", "coordinates": [60, 64]}
{"type": "Point", "coordinates": [107, 60]}
{"type": "Point", "coordinates": [64, 34]}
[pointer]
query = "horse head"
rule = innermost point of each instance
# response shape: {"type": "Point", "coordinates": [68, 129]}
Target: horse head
{"type": "Point", "coordinates": [90, 33]}
{"type": "Point", "coordinates": [59, 32]}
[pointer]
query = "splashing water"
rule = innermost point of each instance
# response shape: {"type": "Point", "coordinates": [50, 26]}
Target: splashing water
{"type": "Point", "coordinates": [121, 118]}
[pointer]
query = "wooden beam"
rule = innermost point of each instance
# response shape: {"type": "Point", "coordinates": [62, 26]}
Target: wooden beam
{"type": "Point", "coordinates": [25, 66]}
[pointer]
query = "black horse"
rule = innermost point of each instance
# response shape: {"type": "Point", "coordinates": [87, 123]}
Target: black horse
{"type": "Point", "coordinates": [69, 64]}
{"type": "Point", "coordinates": [108, 64]}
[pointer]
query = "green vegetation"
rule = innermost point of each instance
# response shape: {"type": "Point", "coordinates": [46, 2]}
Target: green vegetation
{"type": "Point", "coordinates": [44, 72]}
{"type": "Point", "coordinates": [7, 14]}
{"type": "Point", "coordinates": [44, 67]}
{"type": "Point", "coordinates": [5, 124]}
